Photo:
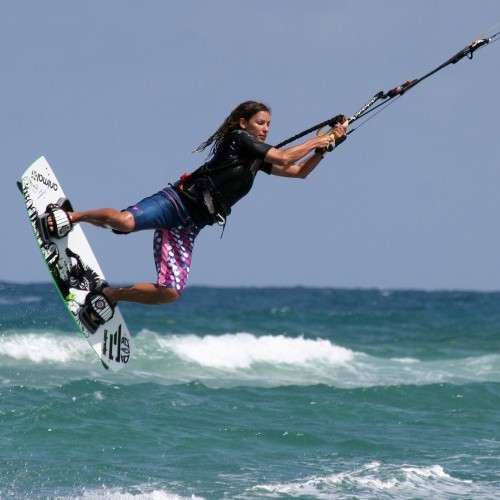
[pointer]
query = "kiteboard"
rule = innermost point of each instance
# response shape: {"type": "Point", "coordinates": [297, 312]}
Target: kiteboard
{"type": "Point", "coordinates": [73, 267]}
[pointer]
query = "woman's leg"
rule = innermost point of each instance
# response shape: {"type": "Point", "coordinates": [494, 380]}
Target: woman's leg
{"type": "Point", "coordinates": [143, 293]}
{"type": "Point", "coordinates": [106, 217]}
{"type": "Point", "coordinates": [172, 247]}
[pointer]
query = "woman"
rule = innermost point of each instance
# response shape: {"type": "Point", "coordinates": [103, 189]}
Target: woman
{"type": "Point", "coordinates": [177, 213]}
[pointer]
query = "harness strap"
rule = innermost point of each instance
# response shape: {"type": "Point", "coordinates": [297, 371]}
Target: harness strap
{"type": "Point", "coordinates": [201, 188]}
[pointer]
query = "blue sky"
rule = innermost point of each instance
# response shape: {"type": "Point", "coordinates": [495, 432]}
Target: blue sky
{"type": "Point", "coordinates": [116, 95]}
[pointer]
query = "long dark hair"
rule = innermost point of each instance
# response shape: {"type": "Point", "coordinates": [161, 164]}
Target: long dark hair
{"type": "Point", "coordinates": [244, 110]}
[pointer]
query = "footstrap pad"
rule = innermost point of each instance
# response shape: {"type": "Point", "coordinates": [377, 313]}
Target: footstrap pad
{"type": "Point", "coordinates": [97, 309]}
{"type": "Point", "coordinates": [101, 306]}
{"type": "Point", "coordinates": [61, 221]}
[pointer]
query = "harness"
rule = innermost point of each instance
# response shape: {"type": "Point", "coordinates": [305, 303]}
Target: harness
{"type": "Point", "coordinates": [200, 188]}
{"type": "Point", "coordinates": [213, 188]}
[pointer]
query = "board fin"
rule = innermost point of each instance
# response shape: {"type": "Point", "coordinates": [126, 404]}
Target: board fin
{"type": "Point", "coordinates": [19, 186]}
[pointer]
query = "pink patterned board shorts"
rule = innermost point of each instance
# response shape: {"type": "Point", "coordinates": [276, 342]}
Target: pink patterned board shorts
{"type": "Point", "coordinates": [173, 249]}
{"type": "Point", "coordinates": [174, 235]}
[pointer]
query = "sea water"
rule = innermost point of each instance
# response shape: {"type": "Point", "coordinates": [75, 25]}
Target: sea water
{"type": "Point", "coordinates": [255, 393]}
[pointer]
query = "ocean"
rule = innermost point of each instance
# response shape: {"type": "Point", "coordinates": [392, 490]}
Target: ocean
{"type": "Point", "coordinates": [255, 393]}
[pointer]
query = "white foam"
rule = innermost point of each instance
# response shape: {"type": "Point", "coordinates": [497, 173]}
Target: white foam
{"type": "Point", "coordinates": [242, 350]}
{"type": "Point", "coordinates": [142, 492]}
{"type": "Point", "coordinates": [374, 479]}
{"type": "Point", "coordinates": [43, 348]}
{"type": "Point", "coordinates": [244, 358]}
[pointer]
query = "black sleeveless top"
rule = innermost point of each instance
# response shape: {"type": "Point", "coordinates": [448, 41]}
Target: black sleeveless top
{"type": "Point", "coordinates": [211, 190]}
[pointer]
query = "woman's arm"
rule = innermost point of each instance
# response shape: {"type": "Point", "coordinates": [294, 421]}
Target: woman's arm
{"type": "Point", "coordinates": [298, 170]}
{"type": "Point", "coordinates": [285, 161]}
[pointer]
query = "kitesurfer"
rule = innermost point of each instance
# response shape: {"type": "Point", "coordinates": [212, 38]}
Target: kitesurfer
{"type": "Point", "coordinates": [238, 150]}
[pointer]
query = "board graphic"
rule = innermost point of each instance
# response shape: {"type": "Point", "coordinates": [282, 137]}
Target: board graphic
{"type": "Point", "coordinates": [73, 267]}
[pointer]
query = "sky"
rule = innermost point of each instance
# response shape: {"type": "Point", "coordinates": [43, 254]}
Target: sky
{"type": "Point", "coordinates": [116, 94]}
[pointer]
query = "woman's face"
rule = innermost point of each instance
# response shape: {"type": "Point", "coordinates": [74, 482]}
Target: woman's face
{"type": "Point", "coordinates": [258, 125]}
